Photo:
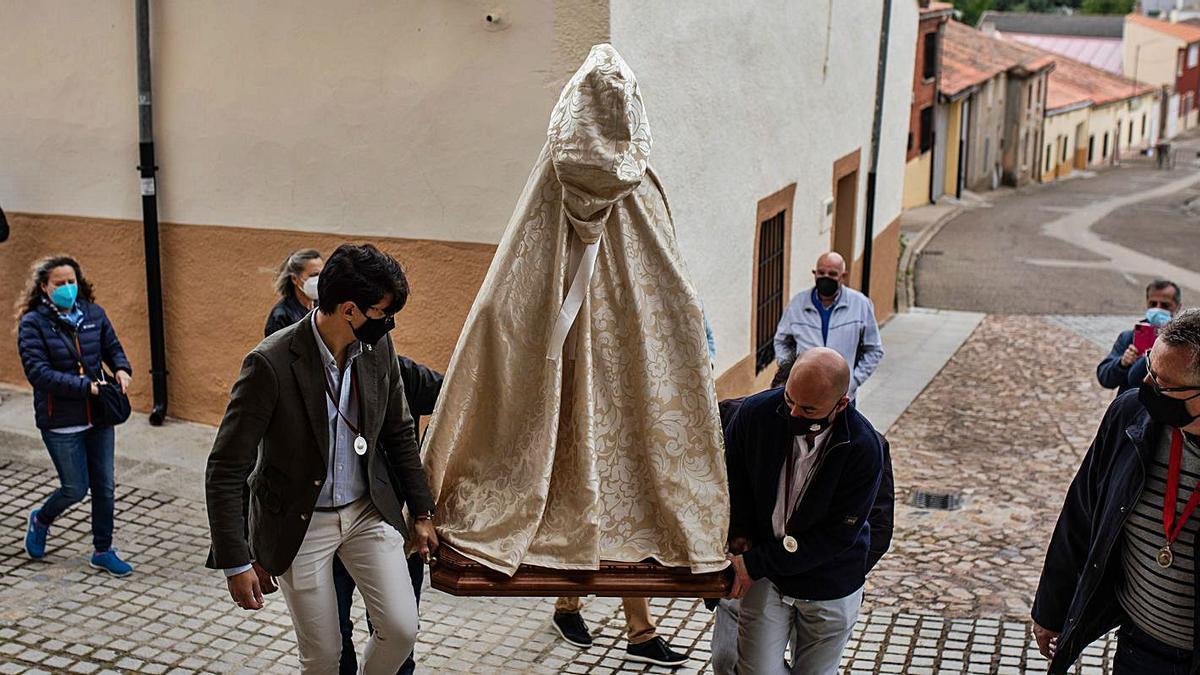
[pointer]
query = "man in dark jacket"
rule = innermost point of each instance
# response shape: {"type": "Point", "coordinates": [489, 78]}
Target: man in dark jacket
{"type": "Point", "coordinates": [1125, 366]}
{"type": "Point", "coordinates": [881, 519]}
{"type": "Point", "coordinates": [319, 426]}
{"type": "Point", "coordinates": [804, 473]}
{"type": "Point", "coordinates": [1122, 552]}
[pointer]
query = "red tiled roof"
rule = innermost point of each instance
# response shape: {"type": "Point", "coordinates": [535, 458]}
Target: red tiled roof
{"type": "Point", "coordinates": [1182, 31]}
{"type": "Point", "coordinates": [970, 57]}
{"type": "Point", "coordinates": [1072, 82]}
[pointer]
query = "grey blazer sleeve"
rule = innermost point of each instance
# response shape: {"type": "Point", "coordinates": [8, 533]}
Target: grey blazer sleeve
{"type": "Point", "coordinates": [234, 452]}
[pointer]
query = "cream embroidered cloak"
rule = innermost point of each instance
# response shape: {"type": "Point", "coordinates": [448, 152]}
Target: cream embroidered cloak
{"type": "Point", "coordinates": [578, 420]}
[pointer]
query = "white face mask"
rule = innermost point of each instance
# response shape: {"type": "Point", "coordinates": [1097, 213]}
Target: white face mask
{"type": "Point", "coordinates": [310, 288]}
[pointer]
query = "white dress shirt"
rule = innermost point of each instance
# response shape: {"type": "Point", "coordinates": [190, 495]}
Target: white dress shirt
{"type": "Point", "coordinates": [803, 465]}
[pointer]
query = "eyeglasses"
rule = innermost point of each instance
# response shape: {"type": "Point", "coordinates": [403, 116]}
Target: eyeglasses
{"type": "Point", "coordinates": [1169, 390]}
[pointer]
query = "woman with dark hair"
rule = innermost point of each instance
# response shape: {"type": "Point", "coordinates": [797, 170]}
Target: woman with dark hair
{"type": "Point", "coordinates": [62, 336]}
{"type": "Point", "coordinates": [296, 283]}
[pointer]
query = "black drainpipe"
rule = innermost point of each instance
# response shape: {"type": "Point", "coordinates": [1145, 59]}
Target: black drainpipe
{"type": "Point", "coordinates": [880, 76]}
{"type": "Point", "coordinates": [147, 169]}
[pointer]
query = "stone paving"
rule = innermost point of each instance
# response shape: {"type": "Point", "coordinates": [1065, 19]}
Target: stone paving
{"type": "Point", "coordinates": [1005, 422]}
{"type": "Point", "coordinates": [1099, 329]}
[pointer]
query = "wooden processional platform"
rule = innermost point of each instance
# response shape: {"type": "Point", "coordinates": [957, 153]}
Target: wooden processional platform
{"type": "Point", "coordinates": [457, 574]}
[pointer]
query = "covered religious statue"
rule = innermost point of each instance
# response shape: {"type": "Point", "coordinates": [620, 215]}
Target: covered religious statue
{"type": "Point", "coordinates": [578, 421]}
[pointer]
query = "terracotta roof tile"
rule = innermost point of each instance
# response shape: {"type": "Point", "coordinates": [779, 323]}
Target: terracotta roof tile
{"type": "Point", "coordinates": [970, 57]}
{"type": "Point", "coordinates": [1182, 31]}
{"type": "Point", "coordinates": [1072, 82]}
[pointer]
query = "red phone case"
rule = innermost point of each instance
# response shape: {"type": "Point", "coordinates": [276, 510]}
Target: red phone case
{"type": "Point", "coordinates": [1144, 336]}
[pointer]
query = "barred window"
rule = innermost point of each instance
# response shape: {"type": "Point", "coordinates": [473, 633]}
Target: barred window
{"type": "Point", "coordinates": [769, 294]}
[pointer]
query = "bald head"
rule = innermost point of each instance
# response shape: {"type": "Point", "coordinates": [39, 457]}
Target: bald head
{"type": "Point", "coordinates": [830, 262]}
{"type": "Point", "coordinates": [829, 276]}
{"type": "Point", "coordinates": [818, 383]}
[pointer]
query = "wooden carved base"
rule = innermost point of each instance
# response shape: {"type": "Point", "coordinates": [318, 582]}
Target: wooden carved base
{"type": "Point", "coordinates": [456, 574]}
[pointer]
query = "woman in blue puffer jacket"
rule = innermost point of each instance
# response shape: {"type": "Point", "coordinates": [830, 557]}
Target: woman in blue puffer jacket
{"type": "Point", "coordinates": [58, 319]}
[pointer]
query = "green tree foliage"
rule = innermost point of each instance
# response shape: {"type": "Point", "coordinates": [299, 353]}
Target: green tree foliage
{"type": "Point", "coordinates": [971, 10]}
{"type": "Point", "coordinates": [1106, 6]}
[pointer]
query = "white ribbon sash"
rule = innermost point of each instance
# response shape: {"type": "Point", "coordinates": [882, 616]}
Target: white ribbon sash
{"type": "Point", "coordinates": [583, 263]}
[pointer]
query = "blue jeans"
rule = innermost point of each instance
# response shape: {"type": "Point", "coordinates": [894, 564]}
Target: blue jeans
{"type": "Point", "coordinates": [1140, 654]}
{"type": "Point", "coordinates": [84, 461]}
{"type": "Point", "coordinates": [344, 585]}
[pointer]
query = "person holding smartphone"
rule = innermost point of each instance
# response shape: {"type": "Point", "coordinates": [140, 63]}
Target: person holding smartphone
{"type": "Point", "coordinates": [1125, 366]}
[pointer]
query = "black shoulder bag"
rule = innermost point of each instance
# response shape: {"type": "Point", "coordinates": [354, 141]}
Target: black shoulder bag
{"type": "Point", "coordinates": [110, 407]}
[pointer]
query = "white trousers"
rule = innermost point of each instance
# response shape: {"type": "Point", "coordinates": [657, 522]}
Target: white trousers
{"type": "Point", "coordinates": [373, 553]}
{"type": "Point", "coordinates": [767, 619]}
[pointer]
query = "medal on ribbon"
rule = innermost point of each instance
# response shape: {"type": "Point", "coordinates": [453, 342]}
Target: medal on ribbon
{"type": "Point", "coordinates": [1172, 526]}
{"type": "Point", "coordinates": [360, 442]}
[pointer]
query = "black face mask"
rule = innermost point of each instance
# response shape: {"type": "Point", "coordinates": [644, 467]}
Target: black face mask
{"type": "Point", "coordinates": [373, 330]}
{"type": "Point", "coordinates": [1163, 409]}
{"type": "Point", "coordinates": [827, 287]}
{"type": "Point", "coordinates": [802, 426]}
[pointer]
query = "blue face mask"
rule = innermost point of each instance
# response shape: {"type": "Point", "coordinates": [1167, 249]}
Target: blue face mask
{"type": "Point", "coordinates": [1157, 317]}
{"type": "Point", "coordinates": [64, 296]}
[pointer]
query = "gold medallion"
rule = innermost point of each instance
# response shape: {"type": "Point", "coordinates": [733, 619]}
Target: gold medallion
{"type": "Point", "coordinates": [1165, 556]}
{"type": "Point", "coordinates": [789, 544]}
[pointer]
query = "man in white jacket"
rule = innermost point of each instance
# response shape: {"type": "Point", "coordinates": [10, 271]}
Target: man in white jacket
{"type": "Point", "coordinates": [831, 315]}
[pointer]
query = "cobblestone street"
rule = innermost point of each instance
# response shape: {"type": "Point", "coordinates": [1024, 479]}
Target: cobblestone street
{"type": "Point", "coordinates": [1005, 423]}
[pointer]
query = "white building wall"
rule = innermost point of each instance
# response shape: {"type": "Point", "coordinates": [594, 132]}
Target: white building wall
{"type": "Point", "coordinates": [408, 118]}
{"type": "Point", "coordinates": [1150, 56]}
{"type": "Point", "coordinates": [744, 99]}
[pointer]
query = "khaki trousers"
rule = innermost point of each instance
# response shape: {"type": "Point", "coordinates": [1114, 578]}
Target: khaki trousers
{"type": "Point", "coordinates": [373, 552]}
{"type": "Point", "coordinates": [638, 624]}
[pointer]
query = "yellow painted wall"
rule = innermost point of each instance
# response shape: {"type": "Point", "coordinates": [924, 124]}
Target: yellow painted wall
{"type": "Point", "coordinates": [1053, 127]}
{"type": "Point", "coordinates": [1103, 120]}
{"type": "Point", "coordinates": [916, 181]}
{"type": "Point", "coordinates": [1131, 113]}
{"type": "Point", "coordinates": [954, 117]}
{"type": "Point", "coordinates": [1107, 119]}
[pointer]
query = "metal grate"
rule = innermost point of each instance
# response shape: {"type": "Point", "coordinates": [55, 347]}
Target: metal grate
{"type": "Point", "coordinates": [769, 294]}
{"type": "Point", "coordinates": [936, 501]}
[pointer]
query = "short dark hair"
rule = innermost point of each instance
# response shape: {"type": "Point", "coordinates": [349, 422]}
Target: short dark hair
{"type": "Point", "coordinates": [1184, 331]}
{"type": "Point", "coordinates": [362, 275]}
{"type": "Point", "coordinates": [1162, 285]}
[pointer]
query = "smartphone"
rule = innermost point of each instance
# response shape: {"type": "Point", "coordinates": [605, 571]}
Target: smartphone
{"type": "Point", "coordinates": [1144, 336]}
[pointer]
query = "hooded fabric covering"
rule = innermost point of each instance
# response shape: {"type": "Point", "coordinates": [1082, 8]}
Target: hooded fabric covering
{"type": "Point", "coordinates": [578, 420]}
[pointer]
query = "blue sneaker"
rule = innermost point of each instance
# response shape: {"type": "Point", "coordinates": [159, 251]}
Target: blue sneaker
{"type": "Point", "coordinates": [109, 562]}
{"type": "Point", "coordinates": [35, 537]}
